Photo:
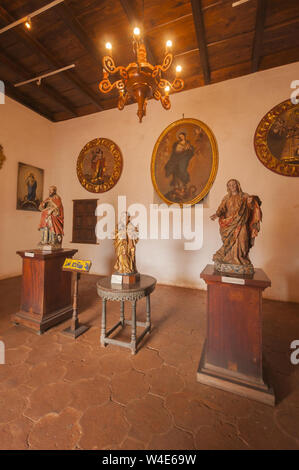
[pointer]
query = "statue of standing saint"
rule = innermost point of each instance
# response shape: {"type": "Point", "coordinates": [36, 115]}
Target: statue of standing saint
{"type": "Point", "coordinates": [239, 220]}
{"type": "Point", "coordinates": [125, 241]}
{"type": "Point", "coordinates": [52, 221]}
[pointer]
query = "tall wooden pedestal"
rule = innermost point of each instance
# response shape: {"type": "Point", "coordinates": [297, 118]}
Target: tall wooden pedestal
{"type": "Point", "coordinates": [232, 355]}
{"type": "Point", "coordinates": [46, 297]}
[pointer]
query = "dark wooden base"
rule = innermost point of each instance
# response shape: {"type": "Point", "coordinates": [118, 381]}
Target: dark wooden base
{"type": "Point", "coordinates": [233, 382]}
{"type": "Point", "coordinates": [46, 294]}
{"type": "Point", "coordinates": [128, 279]}
{"type": "Point", "coordinates": [232, 358]}
{"type": "Point", "coordinates": [75, 333]}
{"type": "Point", "coordinates": [131, 278]}
{"type": "Point", "coordinates": [34, 322]}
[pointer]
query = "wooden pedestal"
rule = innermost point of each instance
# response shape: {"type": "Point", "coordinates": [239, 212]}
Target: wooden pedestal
{"type": "Point", "coordinates": [46, 297]}
{"type": "Point", "coordinates": [232, 355]}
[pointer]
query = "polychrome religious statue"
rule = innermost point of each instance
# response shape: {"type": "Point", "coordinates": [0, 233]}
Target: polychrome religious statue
{"type": "Point", "coordinates": [239, 220]}
{"type": "Point", "coordinates": [52, 220]}
{"type": "Point", "coordinates": [125, 241]}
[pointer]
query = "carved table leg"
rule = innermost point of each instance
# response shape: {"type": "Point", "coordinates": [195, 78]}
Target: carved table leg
{"type": "Point", "coordinates": [133, 334]}
{"type": "Point", "coordinates": [103, 332]}
{"type": "Point", "coordinates": [148, 312]}
{"type": "Point", "coordinates": [122, 312]}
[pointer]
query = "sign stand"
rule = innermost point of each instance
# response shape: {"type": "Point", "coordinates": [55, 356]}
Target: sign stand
{"type": "Point", "coordinates": [76, 267]}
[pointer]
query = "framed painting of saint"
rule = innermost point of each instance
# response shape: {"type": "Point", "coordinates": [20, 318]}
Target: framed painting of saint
{"type": "Point", "coordinates": [99, 165]}
{"type": "Point", "coordinates": [276, 139]}
{"type": "Point", "coordinates": [30, 187]}
{"type": "Point", "coordinates": [184, 162]}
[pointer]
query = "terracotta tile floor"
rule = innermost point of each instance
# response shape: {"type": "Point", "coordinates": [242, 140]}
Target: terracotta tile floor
{"type": "Point", "coordinates": [57, 393]}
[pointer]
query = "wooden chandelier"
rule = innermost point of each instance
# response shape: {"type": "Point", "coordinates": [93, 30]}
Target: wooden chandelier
{"type": "Point", "coordinates": [140, 80]}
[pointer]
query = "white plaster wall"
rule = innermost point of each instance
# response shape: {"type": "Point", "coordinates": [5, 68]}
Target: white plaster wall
{"type": "Point", "coordinates": [233, 110]}
{"type": "Point", "coordinates": [26, 137]}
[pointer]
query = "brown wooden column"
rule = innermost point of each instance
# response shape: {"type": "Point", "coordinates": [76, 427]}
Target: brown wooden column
{"type": "Point", "coordinates": [46, 297]}
{"type": "Point", "coordinates": [232, 357]}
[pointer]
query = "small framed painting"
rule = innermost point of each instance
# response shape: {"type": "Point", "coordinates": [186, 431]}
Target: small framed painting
{"type": "Point", "coordinates": [30, 187]}
{"type": "Point", "coordinates": [184, 162]}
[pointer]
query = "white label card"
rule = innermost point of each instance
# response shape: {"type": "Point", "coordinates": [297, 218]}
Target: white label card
{"type": "Point", "coordinates": [116, 279]}
{"type": "Point", "coordinates": [29, 255]}
{"type": "Point", "coordinates": [232, 280]}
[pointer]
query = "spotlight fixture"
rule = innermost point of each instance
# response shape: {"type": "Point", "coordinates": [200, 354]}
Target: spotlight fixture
{"type": "Point", "coordinates": [38, 80]}
{"type": "Point", "coordinates": [26, 20]}
{"type": "Point", "coordinates": [239, 2]}
{"type": "Point", "coordinates": [28, 23]}
{"type": "Point", "coordinates": [140, 80]}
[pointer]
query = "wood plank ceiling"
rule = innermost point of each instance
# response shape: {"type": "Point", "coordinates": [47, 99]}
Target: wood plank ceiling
{"type": "Point", "coordinates": [211, 40]}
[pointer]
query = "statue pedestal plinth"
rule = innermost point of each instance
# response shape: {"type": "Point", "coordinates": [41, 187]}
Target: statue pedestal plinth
{"type": "Point", "coordinates": [125, 279]}
{"type": "Point", "coordinates": [232, 356]}
{"type": "Point", "coordinates": [46, 297]}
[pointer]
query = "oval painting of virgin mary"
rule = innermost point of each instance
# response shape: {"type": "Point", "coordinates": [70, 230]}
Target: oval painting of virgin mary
{"type": "Point", "coordinates": [184, 162]}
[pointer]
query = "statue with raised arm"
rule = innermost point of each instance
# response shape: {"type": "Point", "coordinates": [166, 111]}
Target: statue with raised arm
{"type": "Point", "coordinates": [52, 220]}
{"type": "Point", "coordinates": [239, 217]}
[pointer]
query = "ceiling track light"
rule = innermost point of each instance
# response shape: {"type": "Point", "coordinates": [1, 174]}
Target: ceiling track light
{"type": "Point", "coordinates": [28, 23]}
{"type": "Point", "coordinates": [239, 2]}
{"type": "Point", "coordinates": [26, 20]}
{"type": "Point", "coordinates": [39, 79]}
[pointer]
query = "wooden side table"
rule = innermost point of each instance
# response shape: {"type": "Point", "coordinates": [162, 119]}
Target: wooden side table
{"type": "Point", "coordinates": [232, 355]}
{"type": "Point", "coordinates": [107, 291]}
{"type": "Point", "coordinates": [46, 298]}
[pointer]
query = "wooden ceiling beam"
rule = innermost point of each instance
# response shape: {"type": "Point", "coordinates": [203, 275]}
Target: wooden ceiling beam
{"type": "Point", "coordinates": [201, 38]}
{"type": "Point", "coordinates": [259, 32]}
{"type": "Point", "coordinates": [26, 100]}
{"type": "Point", "coordinates": [129, 10]}
{"type": "Point", "coordinates": [37, 47]}
{"type": "Point", "coordinates": [187, 15]}
{"type": "Point", "coordinates": [14, 65]}
{"type": "Point", "coordinates": [283, 24]}
{"type": "Point", "coordinates": [66, 14]}
{"type": "Point", "coordinates": [267, 29]}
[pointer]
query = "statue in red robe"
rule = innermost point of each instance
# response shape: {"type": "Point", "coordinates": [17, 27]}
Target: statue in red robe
{"type": "Point", "coordinates": [52, 220]}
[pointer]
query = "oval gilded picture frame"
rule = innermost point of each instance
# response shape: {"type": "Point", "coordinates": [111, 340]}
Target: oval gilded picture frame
{"type": "Point", "coordinates": [99, 165]}
{"type": "Point", "coordinates": [276, 139]}
{"type": "Point", "coordinates": [184, 162]}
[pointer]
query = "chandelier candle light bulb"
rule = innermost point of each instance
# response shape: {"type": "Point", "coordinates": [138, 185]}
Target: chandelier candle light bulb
{"type": "Point", "coordinates": [168, 45]}
{"type": "Point", "coordinates": [140, 80]}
